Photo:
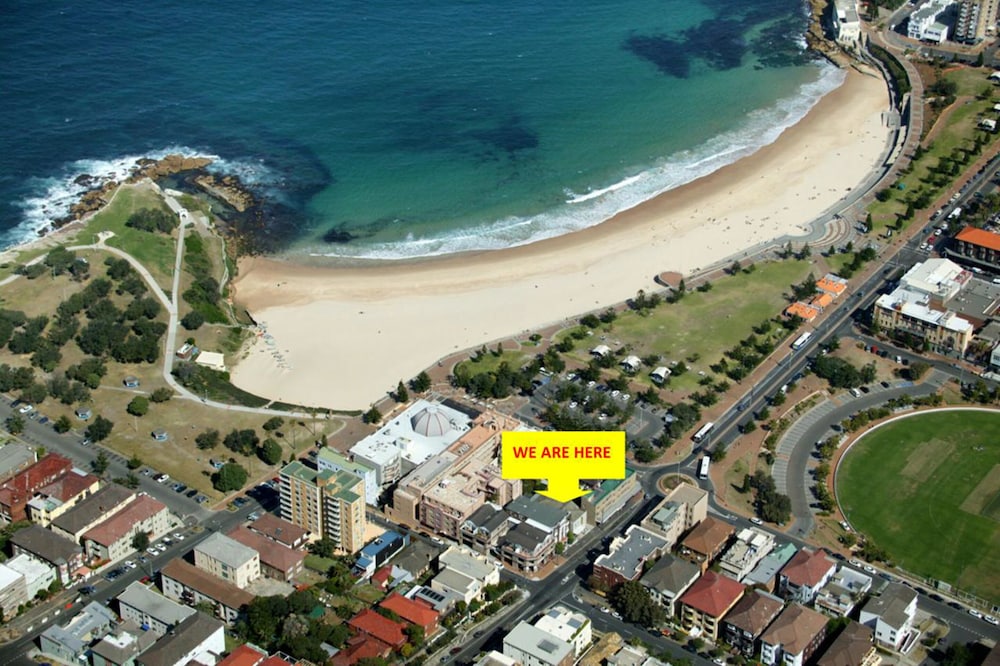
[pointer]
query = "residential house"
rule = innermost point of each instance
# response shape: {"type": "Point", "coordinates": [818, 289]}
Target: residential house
{"type": "Point", "coordinates": [744, 624]}
{"type": "Point", "coordinates": [199, 639]}
{"type": "Point", "coordinates": [13, 591]}
{"type": "Point", "coordinates": [853, 647]}
{"type": "Point", "coordinates": [277, 560]}
{"type": "Point", "coordinates": [121, 646]}
{"type": "Point", "coordinates": [361, 646]}
{"type": "Point", "coordinates": [668, 579]}
{"type": "Point", "coordinates": [628, 556]}
{"type": "Point", "coordinates": [808, 571]}
{"type": "Point", "coordinates": [566, 625]}
{"type": "Point", "coordinates": [765, 574]}
{"type": "Point", "coordinates": [706, 541]}
{"type": "Point", "coordinates": [379, 551]}
{"type": "Point", "coordinates": [413, 611]}
{"type": "Point", "coordinates": [442, 601]}
{"type": "Point", "coordinates": [56, 498]}
{"type": "Point", "coordinates": [844, 590]}
{"type": "Point", "coordinates": [69, 643]}
{"type": "Point", "coordinates": [750, 547]}
{"type": "Point", "coordinates": [417, 558]}
{"type": "Point", "coordinates": [793, 637]}
{"type": "Point", "coordinates": [706, 602]}
{"type": "Point", "coordinates": [484, 529]}
{"type": "Point", "coordinates": [244, 655]}
{"type": "Point", "coordinates": [187, 583]}
{"type": "Point", "coordinates": [377, 626]}
{"type": "Point", "coordinates": [684, 507]}
{"type": "Point", "coordinates": [277, 529]}
{"type": "Point", "coordinates": [609, 496]}
{"type": "Point", "coordinates": [17, 491]}
{"type": "Point", "coordinates": [494, 658]}
{"type": "Point", "coordinates": [464, 574]}
{"type": "Point", "coordinates": [228, 559]}
{"type": "Point", "coordinates": [150, 610]}
{"type": "Point", "coordinates": [532, 646]}
{"type": "Point", "coordinates": [38, 575]}
{"type": "Point", "coordinates": [330, 504]}
{"type": "Point", "coordinates": [62, 554]}
{"type": "Point", "coordinates": [92, 511]}
{"type": "Point", "coordinates": [891, 615]}
{"type": "Point", "coordinates": [112, 539]}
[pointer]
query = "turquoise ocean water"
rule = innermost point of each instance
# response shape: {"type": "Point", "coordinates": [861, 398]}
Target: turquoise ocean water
{"type": "Point", "coordinates": [399, 129]}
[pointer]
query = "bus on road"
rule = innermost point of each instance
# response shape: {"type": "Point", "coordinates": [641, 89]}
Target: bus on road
{"type": "Point", "coordinates": [703, 432]}
{"type": "Point", "coordinates": [801, 340]}
{"type": "Point", "coordinates": [703, 467]}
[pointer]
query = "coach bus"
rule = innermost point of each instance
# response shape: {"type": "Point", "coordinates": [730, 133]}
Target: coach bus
{"type": "Point", "coordinates": [703, 467]}
{"type": "Point", "coordinates": [703, 432]}
{"type": "Point", "coordinates": [801, 340]}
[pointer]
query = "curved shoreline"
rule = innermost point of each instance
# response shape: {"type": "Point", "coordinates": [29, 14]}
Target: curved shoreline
{"type": "Point", "coordinates": [407, 315]}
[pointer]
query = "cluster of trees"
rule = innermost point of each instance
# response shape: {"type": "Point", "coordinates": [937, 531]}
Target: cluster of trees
{"type": "Point", "coordinates": [644, 303]}
{"type": "Point", "coordinates": [421, 382]}
{"type": "Point", "coordinates": [60, 260]}
{"type": "Point", "coordinates": [771, 505]}
{"type": "Point", "coordinates": [840, 373]}
{"type": "Point", "coordinates": [633, 601]}
{"type": "Point", "coordinates": [204, 293]}
{"type": "Point", "coordinates": [980, 392]}
{"type": "Point", "coordinates": [99, 429]}
{"type": "Point", "coordinates": [231, 476]}
{"type": "Point", "coordinates": [497, 383]}
{"type": "Point", "coordinates": [860, 258]}
{"type": "Point", "coordinates": [152, 220]}
{"type": "Point", "coordinates": [283, 623]}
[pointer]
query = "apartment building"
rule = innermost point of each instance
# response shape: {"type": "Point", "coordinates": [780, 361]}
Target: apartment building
{"type": "Point", "coordinates": [328, 503]}
{"type": "Point", "coordinates": [228, 559]}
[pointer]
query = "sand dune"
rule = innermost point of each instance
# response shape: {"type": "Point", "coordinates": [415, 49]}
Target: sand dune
{"type": "Point", "coordinates": [346, 335]}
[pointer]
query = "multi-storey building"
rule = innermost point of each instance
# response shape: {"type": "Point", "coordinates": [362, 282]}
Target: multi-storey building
{"type": "Point", "coordinates": [748, 619]}
{"type": "Point", "coordinates": [628, 556]}
{"type": "Point", "coordinates": [706, 541]}
{"type": "Point", "coordinates": [750, 547]}
{"type": "Point", "coordinates": [228, 559]}
{"type": "Point", "coordinates": [331, 459]}
{"type": "Point", "coordinates": [609, 496]}
{"type": "Point", "coordinates": [187, 583]}
{"type": "Point", "coordinates": [112, 539]}
{"type": "Point", "coordinates": [793, 637]}
{"type": "Point", "coordinates": [148, 608]}
{"type": "Point", "coordinates": [92, 511]}
{"type": "Point", "coordinates": [707, 601]}
{"type": "Point", "coordinates": [808, 571]}
{"type": "Point", "coordinates": [891, 615]}
{"type": "Point", "coordinates": [330, 504]}
{"type": "Point", "coordinates": [927, 23]}
{"type": "Point", "coordinates": [668, 579]}
{"type": "Point", "coordinates": [53, 500]}
{"type": "Point", "coordinates": [853, 647]}
{"type": "Point", "coordinates": [683, 508]}
{"type": "Point", "coordinates": [977, 247]}
{"type": "Point", "coordinates": [17, 491]}
{"type": "Point", "coordinates": [567, 625]}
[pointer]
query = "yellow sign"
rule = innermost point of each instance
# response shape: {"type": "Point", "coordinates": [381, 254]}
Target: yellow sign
{"type": "Point", "coordinates": [563, 458]}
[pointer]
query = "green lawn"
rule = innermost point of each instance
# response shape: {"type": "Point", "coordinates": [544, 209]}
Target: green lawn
{"type": "Point", "coordinates": [489, 362]}
{"type": "Point", "coordinates": [702, 323]}
{"type": "Point", "coordinates": [927, 489]}
{"type": "Point", "coordinates": [155, 251]}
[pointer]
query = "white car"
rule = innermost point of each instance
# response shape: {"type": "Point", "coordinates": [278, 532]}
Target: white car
{"type": "Point", "coordinates": [178, 536]}
{"type": "Point", "coordinates": [24, 409]}
{"type": "Point", "coordinates": [869, 568]}
{"type": "Point", "coordinates": [756, 521]}
{"type": "Point", "coordinates": [974, 613]}
{"type": "Point", "coordinates": [992, 620]}
{"type": "Point", "coordinates": [854, 562]}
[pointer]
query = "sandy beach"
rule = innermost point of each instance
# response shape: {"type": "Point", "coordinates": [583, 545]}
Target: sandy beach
{"type": "Point", "coordinates": [345, 336]}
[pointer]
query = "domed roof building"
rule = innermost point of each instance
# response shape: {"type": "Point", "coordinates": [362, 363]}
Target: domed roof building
{"type": "Point", "coordinates": [430, 422]}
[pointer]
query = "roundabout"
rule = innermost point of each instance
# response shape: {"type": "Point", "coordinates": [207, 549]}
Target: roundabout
{"type": "Point", "coordinates": [925, 487]}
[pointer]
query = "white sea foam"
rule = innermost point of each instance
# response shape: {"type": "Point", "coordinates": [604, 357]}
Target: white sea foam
{"type": "Point", "coordinates": [580, 211]}
{"type": "Point", "coordinates": [54, 196]}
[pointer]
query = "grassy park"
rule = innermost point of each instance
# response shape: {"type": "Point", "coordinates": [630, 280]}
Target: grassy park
{"type": "Point", "coordinates": [927, 490]}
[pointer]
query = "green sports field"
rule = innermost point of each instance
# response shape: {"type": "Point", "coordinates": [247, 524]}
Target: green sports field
{"type": "Point", "coordinates": [927, 489]}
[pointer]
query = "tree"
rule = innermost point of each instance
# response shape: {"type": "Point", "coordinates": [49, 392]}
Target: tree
{"type": "Point", "coordinates": [325, 547]}
{"type": "Point", "coordinates": [560, 548]}
{"type": "Point", "coordinates": [62, 424]}
{"type": "Point", "coordinates": [273, 423]}
{"type": "Point", "coordinates": [99, 429]}
{"type": "Point", "coordinates": [161, 394]}
{"type": "Point", "coordinates": [100, 463]}
{"type": "Point", "coordinates": [193, 320]}
{"type": "Point", "coordinates": [415, 634]}
{"type": "Point", "coordinates": [242, 441]}
{"type": "Point", "coordinates": [14, 424]}
{"type": "Point", "coordinates": [230, 477]}
{"type": "Point", "coordinates": [140, 541]}
{"type": "Point", "coordinates": [632, 600]}
{"type": "Point", "coordinates": [373, 415]}
{"type": "Point", "coordinates": [270, 452]}
{"type": "Point", "coordinates": [916, 370]}
{"type": "Point", "coordinates": [401, 394]}
{"type": "Point", "coordinates": [138, 406]}
{"type": "Point", "coordinates": [135, 462]}
{"type": "Point", "coordinates": [207, 440]}
{"type": "Point", "coordinates": [421, 382]}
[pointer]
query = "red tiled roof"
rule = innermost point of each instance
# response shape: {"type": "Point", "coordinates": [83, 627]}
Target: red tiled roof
{"type": "Point", "coordinates": [980, 237]}
{"type": "Point", "coordinates": [275, 661]}
{"type": "Point", "coordinates": [68, 486]}
{"type": "Point", "coordinates": [708, 536]}
{"type": "Point", "coordinates": [272, 553]}
{"type": "Point", "coordinates": [21, 487]}
{"type": "Point", "coordinates": [358, 648]}
{"type": "Point", "coordinates": [381, 577]}
{"type": "Point", "coordinates": [713, 594]}
{"type": "Point", "coordinates": [121, 523]}
{"type": "Point", "coordinates": [382, 628]}
{"type": "Point", "coordinates": [414, 612]}
{"type": "Point", "coordinates": [244, 655]}
{"type": "Point", "coordinates": [278, 529]}
{"type": "Point", "coordinates": [807, 567]}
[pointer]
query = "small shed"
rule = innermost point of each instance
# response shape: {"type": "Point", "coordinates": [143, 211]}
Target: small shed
{"type": "Point", "coordinates": [632, 363]}
{"type": "Point", "coordinates": [601, 351]}
{"type": "Point", "coordinates": [83, 413]}
{"type": "Point", "coordinates": [660, 374]}
{"type": "Point", "coordinates": [131, 382]}
{"type": "Point", "coordinates": [988, 124]}
{"type": "Point", "coordinates": [160, 435]}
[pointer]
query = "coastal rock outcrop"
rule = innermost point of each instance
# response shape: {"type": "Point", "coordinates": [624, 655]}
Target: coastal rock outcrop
{"type": "Point", "coordinates": [227, 188]}
{"type": "Point", "coordinates": [165, 166]}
